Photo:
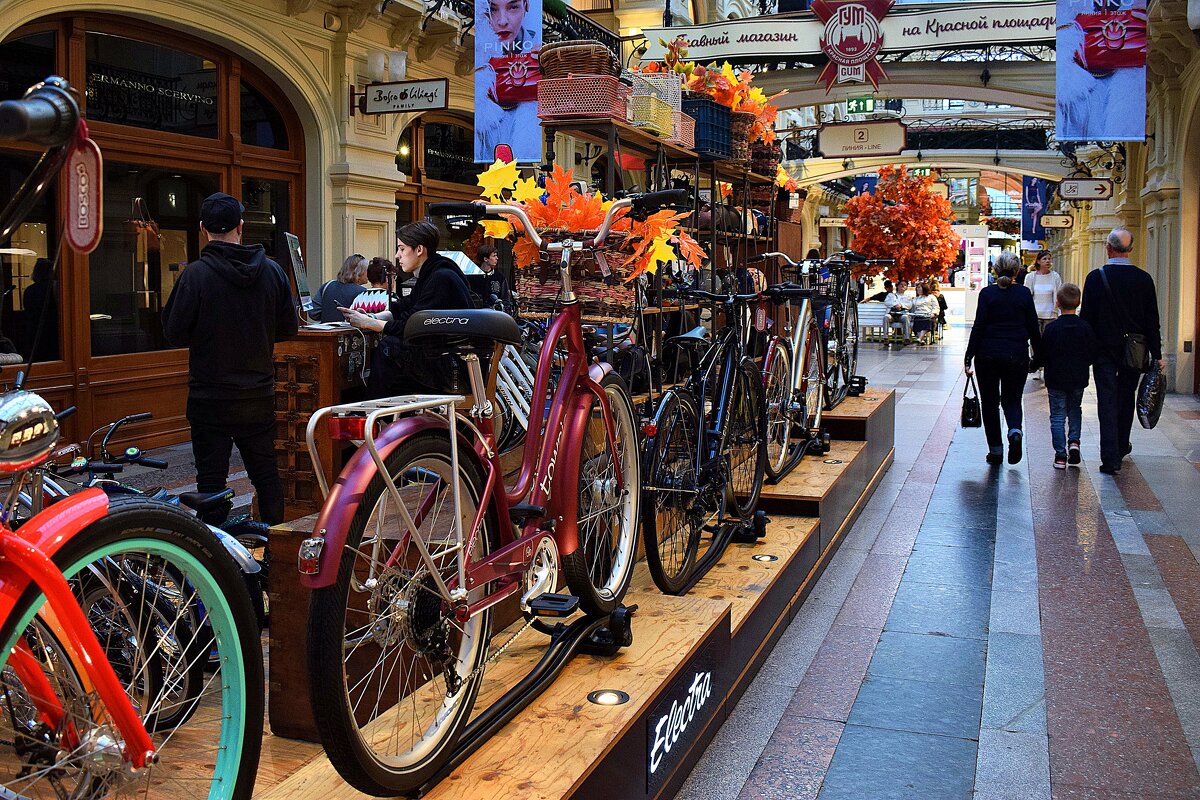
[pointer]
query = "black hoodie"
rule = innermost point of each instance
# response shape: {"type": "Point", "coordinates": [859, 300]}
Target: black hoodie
{"type": "Point", "coordinates": [229, 308]}
{"type": "Point", "coordinates": [440, 285]}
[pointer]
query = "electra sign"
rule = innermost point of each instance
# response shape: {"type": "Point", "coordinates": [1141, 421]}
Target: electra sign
{"type": "Point", "coordinates": [682, 716]}
{"type": "Point", "coordinates": [903, 29]}
{"type": "Point", "coordinates": [671, 725]}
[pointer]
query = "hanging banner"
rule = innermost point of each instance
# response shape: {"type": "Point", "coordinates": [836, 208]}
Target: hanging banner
{"type": "Point", "coordinates": [851, 40]}
{"type": "Point", "coordinates": [1033, 202]}
{"type": "Point", "coordinates": [903, 29]}
{"type": "Point", "coordinates": [508, 35]}
{"type": "Point", "coordinates": [1100, 77]}
{"type": "Point", "coordinates": [865, 184]}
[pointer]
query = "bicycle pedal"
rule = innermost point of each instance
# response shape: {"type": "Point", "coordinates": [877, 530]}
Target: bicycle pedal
{"type": "Point", "coordinates": [554, 605]}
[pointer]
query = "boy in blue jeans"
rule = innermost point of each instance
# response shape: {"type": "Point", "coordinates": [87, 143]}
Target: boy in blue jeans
{"type": "Point", "coordinates": [1068, 350]}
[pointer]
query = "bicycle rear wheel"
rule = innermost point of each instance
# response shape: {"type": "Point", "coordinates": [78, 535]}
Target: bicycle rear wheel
{"type": "Point", "coordinates": [215, 753]}
{"type": "Point", "coordinates": [599, 570]}
{"type": "Point", "coordinates": [849, 343]}
{"type": "Point", "coordinates": [394, 672]}
{"type": "Point", "coordinates": [671, 522]}
{"type": "Point", "coordinates": [777, 391]}
{"type": "Point", "coordinates": [812, 381]}
{"type": "Point", "coordinates": [742, 442]}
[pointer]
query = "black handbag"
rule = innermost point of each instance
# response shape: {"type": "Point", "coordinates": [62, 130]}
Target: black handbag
{"type": "Point", "coordinates": [1134, 354]}
{"type": "Point", "coordinates": [972, 415]}
{"type": "Point", "coordinates": [1151, 392]}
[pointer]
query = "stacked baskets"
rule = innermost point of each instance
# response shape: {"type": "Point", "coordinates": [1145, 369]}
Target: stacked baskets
{"type": "Point", "coordinates": [740, 125]}
{"type": "Point", "coordinates": [579, 81]}
{"type": "Point", "coordinates": [656, 98]}
{"type": "Point", "coordinates": [711, 126]}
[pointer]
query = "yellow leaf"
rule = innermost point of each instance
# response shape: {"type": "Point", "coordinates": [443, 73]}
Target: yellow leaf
{"type": "Point", "coordinates": [727, 71]}
{"type": "Point", "coordinates": [661, 253]}
{"type": "Point", "coordinates": [528, 191]}
{"type": "Point", "coordinates": [497, 178]}
{"type": "Point", "coordinates": [497, 229]}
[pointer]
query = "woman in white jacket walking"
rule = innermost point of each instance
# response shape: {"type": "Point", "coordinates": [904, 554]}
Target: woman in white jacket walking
{"type": "Point", "coordinates": [1044, 283]}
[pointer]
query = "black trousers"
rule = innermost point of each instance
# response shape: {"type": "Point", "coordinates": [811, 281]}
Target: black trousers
{"type": "Point", "coordinates": [217, 425]}
{"type": "Point", "coordinates": [1116, 393]}
{"type": "Point", "coordinates": [1001, 385]}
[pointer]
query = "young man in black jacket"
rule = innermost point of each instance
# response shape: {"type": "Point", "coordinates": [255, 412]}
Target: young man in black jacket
{"type": "Point", "coordinates": [1068, 349]}
{"type": "Point", "coordinates": [1128, 304]}
{"type": "Point", "coordinates": [440, 286]}
{"type": "Point", "coordinates": [229, 308]}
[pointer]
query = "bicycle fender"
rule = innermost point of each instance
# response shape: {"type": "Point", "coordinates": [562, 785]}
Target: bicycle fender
{"type": "Point", "coordinates": [566, 489]}
{"type": "Point", "coordinates": [54, 526]}
{"type": "Point", "coordinates": [333, 523]}
{"type": "Point", "coordinates": [237, 550]}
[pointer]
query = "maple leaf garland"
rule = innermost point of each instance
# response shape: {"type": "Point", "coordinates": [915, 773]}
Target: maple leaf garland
{"type": "Point", "coordinates": [561, 206]}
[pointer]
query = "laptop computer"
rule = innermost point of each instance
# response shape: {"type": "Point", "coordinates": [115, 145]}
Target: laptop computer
{"type": "Point", "coordinates": [302, 295]}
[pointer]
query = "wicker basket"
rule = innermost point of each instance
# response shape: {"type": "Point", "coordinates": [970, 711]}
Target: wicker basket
{"type": "Point", "coordinates": [684, 130]}
{"type": "Point", "coordinates": [651, 114]}
{"type": "Point", "coordinates": [666, 86]}
{"type": "Point", "coordinates": [583, 97]}
{"type": "Point", "coordinates": [579, 57]}
{"type": "Point", "coordinates": [740, 124]}
{"type": "Point", "coordinates": [602, 298]}
{"type": "Point", "coordinates": [765, 158]}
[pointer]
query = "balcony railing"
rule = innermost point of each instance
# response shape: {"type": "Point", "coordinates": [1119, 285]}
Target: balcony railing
{"type": "Point", "coordinates": [563, 23]}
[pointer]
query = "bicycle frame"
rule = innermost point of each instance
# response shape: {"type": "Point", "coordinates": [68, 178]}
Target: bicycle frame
{"type": "Point", "coordinates": [542, 479]}
{"type": "Point", "coordinates": [27, 560]}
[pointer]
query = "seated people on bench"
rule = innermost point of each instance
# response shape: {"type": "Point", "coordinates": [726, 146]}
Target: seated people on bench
{"type": "Point", "coordinates": [924, 312]}
{"type": "Point", "coordinates": [399, 368]}
{"type": "Point", "coordinates": [899, 304]}
{"type": "Point", "coordinates": [881, 297]}
{"type": "Point", "coordinates": [340, 291]}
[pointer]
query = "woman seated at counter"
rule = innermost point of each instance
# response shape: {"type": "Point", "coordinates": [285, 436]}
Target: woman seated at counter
{"type": "Point", "coordinates": [398, 368]}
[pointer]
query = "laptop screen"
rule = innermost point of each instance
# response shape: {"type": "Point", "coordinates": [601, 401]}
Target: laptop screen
{"type": "Point", "coordinates": [300, 273]}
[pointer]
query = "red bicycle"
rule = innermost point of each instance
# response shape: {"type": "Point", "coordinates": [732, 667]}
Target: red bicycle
{"type": "Point", "coordinates": [419, 538]}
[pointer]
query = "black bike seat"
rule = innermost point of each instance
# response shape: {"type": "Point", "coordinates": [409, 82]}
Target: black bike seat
{"type": "Point", "coordinates": [206, 501]}
{"type": "Point", "coordinates": [695, 337]}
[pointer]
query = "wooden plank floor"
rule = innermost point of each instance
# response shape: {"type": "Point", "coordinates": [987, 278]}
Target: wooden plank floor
{"type": "Point", "coordinates": [813, 479]}
{"type": "Point", "coordinates": [859, 407]}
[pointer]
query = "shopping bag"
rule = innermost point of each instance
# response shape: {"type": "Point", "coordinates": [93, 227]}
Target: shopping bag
{"type": "Point", "coordinates": [972, 415]}
{"type": "Point", "coordinates": [1151, 392]}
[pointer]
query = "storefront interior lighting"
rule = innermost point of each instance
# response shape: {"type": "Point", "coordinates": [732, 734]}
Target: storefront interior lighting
{"type": "Point", "coordinates": [405, 150]}
{"type": "Point", "coordinates": [764, 557]}
{"type": "Point", "coordinates": [608, 697]}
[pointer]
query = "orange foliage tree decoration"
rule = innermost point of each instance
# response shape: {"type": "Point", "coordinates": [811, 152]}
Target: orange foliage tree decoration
{"type": "Point", "coordinates": [904, 221]}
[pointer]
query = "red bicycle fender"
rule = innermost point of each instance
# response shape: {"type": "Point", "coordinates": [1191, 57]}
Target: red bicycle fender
{"type": "Point", "coordinates": [48, 531]}
{"type": "Point", "coordinates": [567, 479]}
{"type": "Point", "coordinates": [333, 524]}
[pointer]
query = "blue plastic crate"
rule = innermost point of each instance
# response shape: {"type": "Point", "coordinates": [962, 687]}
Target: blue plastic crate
{"type": "Point", "coordinates": [712, 126]}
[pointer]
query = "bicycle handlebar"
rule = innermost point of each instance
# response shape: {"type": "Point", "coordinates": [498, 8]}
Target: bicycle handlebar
{"type": "Point", "coordinates": [701, 294]}
{"type": "Point", "coordinates": [47, 115]}
{"type": "Point", "coordinates": [765, 256]}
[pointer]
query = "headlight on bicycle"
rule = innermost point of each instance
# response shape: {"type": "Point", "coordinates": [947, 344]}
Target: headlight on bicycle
{"type": "Point", "coordinates": [28, 431]}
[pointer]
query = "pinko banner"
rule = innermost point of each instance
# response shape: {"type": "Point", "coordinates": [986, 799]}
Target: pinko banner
{"type": "Point", "coordinates": [508, 36]}
{"type": "Point", "coordinates": [1100, 84]}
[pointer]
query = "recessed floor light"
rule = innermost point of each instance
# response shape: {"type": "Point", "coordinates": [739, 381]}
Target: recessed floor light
{"type": "Point", "coordinates": [764, 557]}
{"type": "Point", "coordinates": [834, 461]}
{"type": "Point", "coordinates": [608, 697]}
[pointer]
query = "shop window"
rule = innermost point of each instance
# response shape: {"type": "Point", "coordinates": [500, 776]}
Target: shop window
{"type": "Point", "coordinates": [262, 124]}
{"type": "Point", "coordinates": [146, 85]}
{"type": "Point", "coordinates": [24, 62]}
{"type": "Point", "coordinates": [450, 153]}
{"type": "Point", "coordinates": [404, 159]}
{"type": "Point", "coordinates": [267, 218]}
{"type": "Point", "coordinates": [30, 286]}
{"type": "Point", "coordinates": [151, 232]}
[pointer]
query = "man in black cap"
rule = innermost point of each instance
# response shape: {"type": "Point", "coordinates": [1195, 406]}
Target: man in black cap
{"type": "Point", "coordinates": [229, 308]}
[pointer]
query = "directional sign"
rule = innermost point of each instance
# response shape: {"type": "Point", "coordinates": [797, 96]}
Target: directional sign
{"type": "Point", "coordinates": [1085, 189]}
{"type": "Point", "coordinates": [860, 105]}
{"type": "Point", "coordinates": [1058, 221]}
{"type": "Point", "coordinates": [853, 139]}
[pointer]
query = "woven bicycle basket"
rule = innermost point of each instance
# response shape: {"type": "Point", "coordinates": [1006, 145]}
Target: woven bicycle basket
{"type": "Point", "coordinates": [578, 57]}
{"type": "Point", "coordinates": [603, 298]}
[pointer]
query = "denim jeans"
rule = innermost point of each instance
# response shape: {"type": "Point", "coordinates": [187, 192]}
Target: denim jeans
{"type": "Point", "coordinates": [1066, 417]}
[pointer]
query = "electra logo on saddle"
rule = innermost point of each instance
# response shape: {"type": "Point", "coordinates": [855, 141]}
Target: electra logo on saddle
{"type": "Point", "coordinates": [447, 321]}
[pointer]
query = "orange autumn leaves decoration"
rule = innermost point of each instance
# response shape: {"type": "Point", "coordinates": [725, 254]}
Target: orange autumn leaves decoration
{"type": "Point", "coordinates": [561, 206]}
{"type": "Point", "coordinates": [904, 221]}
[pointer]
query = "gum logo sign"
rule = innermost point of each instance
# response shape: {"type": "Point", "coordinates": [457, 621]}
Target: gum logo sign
{"type": "Point", "coordinates": [851, 40]}
{"type": "Point", "coordinates": [682, 713]}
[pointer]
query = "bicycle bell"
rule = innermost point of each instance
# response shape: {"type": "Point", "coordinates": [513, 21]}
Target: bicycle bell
{"type": "Point", "coordinates": [28, 431]}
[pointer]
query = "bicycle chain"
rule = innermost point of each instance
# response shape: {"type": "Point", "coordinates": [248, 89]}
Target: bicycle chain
{"type": "Point", "coordinates": [499, 652]}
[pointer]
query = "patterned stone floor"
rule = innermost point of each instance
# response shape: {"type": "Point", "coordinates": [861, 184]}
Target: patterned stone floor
{"type": "Point", "coordinates": [1013, 632]}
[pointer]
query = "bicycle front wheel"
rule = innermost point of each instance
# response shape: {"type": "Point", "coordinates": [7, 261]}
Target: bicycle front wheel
{"type": "Point", "coordinates": [394, 670]}
{"type": "Point", "coordinates": [214, 753]}
{"type": "Point", "coordinates": [742, 441]}
{"type": "Point", "coordinates": [671, 520]}
{"type": "Point", "coordinates": [777, 391]}
{"type": "Point", "coordinates": [812, 381]}
{"type": "Point", "coordinates": [610, 489]}
{"type": "Point", "coordinates": [849, 343]}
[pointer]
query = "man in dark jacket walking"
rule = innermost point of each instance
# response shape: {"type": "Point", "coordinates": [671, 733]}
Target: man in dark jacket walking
{"type": "Point", "coordinates": [229, 308]}
{"type": "Point", "coordinates": [1128, 304]}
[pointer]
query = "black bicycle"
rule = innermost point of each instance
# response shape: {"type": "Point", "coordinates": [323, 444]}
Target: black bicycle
{"type": "Point", "coordinates": [705, 454]}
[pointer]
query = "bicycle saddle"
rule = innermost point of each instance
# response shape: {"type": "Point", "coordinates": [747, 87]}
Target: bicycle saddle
{"type": "Point", "coordinates": [484, 323]}
{"type": "Point", "coordinates": [202, 502]}
{"type": "Point", "coordinates": [695, 337]}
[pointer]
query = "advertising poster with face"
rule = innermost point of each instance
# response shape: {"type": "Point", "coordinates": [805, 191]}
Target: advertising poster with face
{"type": "Point", "coordinates": [1100, 77]}
{"type": "Point", "coordinates": [1033, 204]}
{"type": "Point", "coordinates": [508, 36]}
